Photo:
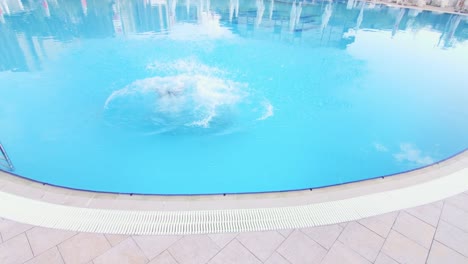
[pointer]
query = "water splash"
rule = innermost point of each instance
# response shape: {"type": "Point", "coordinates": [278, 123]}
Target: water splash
{"type": "Point", "coordinates": [269, 111]}
{"type": "Point", "coordinates": [174, 102]}
{"type": "Point", "coordinates": [187, 66]}
{"type": "Point", "coordinates": [189, 97]}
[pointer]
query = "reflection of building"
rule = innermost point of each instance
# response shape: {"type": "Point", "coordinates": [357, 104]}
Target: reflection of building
{"type": "Point", "coordinates": [308, 22]}
{"type": "Point", "coordinates": [11, 6]}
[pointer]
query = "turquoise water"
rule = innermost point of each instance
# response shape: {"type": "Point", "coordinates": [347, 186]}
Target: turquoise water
{"type": "Point", "coordinates": [196, 97]}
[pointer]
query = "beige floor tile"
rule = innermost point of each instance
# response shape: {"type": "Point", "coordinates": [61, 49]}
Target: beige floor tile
{"type": "Point", "coordinates": [115, 239]}
{"type": "Point", "coordinates": [414, 229]}
{"type": "Point", "coordinates": [404, 250]}
{"type": "Point", "coordinates": [339, 253]}
{"type": "Point", "coordinates": [452, 237]}
{"type": "Point", "coordinates": [155, 245]}
{"type": "Point", "coordinates": [285, 232]}
{"type": "Point", "coordinates": [163, 258]}
{"type": "Point", "coordinates": [276, 258]}
{"type": "Point", "coordinates": [234, 253]}
{"type": "Point", "coordinates": [441, 254]}
{"type": "Point", "coordinates": [83, 247]}
{"type": "Point", "coordinates": [428, 213]}
{"type": "Point", "coordinates": [126, 252]}
{"type": "Point", "coordinates": [380, 224]}
{"type": "Point", "coordinates": [261, 244]}
{"type": "Point", "coordinates": [384, 259]}
{"type": "Point", "coordinates": [362, 240]}
{"type": "Point", "coordinates": [15, 250]}
{"type": "Point", "coordinates": [344, 224]}
{"type": "Point", "coordinates": [299, 248]}
{"type": "Point", "coordinates": [194, 249]}
{"type": "Point", "coordinates": [460, 201]}
{"type": "Point", "coordinates": [9, 229]}
{"type": "Point", "coordinates": [51, 256]}
{"type": "Point", "coordinates": [455, 216]}
{"type": "Point", "coordinates": [324, 235]}
{"type": "Point", "coordinates": [222, 239]}
{"type": "Point", "coordinates": [42, 239]}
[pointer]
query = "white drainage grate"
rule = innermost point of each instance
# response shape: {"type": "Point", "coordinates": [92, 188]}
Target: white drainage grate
{"type": "Point", "coordinates": [220, 221]}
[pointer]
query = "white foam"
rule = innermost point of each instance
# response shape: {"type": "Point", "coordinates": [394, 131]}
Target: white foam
{"type": "Point", "coordinates": [269, 111]}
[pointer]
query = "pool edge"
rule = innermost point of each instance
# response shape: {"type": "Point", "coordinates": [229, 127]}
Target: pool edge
{"type": "Point", "coordinates": [43, 205]}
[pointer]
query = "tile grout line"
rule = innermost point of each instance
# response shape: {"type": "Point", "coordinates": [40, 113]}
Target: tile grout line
{"type": "Point", "coordinates": [172, 256]}
{"type": "Point", "coordinates": [300, 230]}
{"type": "Point", "coordinates": [412, 240]}
{"type": "Point", "coordinates": [110, 244]}
{"type": "Point", "coordinates": [286, 238]}
{"type": "Point", "coordinates": [30, 247]}
{"type": "Point", "coordinates": [336, 239]}
{"type": "Point", "coordinates": [282, 242]}
{"type": "Point", "coordinates": [255, 256]}
{"type": "Point", "coordinates": [435, 231]}
{"type": "Point", "coordinates": [385, 241]}
{"type": "Point", "coordinates": [222, 248]}
{"type": "Point", "coordinates": [446, 244]}
{"type": "Point", "coordinates": [60, 253]}
{"type": "Point", "coordinates": [109, 241]}
{"type": "Point", "coordinates": [425, 205]}
{"type": "Point", "coordinates": [371, 229]}
{"type": "Point", "coordinates": [276, 250]}
{"type": "Point", "coordinates": [138, 246]}
{"type": "Point", "coordinates": [456, 206]}
{"type": "Point", "coordinates": [18, 233]}
{"type": "Point", "coordinates": [167, 249]}
{"type": "Point", "coordinates": [364, 257]}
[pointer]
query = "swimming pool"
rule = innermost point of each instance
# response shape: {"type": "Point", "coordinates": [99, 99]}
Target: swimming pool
{"type": "Point", "coordinates": [201, 97]}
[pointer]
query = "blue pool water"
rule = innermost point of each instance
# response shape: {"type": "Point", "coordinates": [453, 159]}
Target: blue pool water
{"type": "Point", "coordinates": [197, 97]}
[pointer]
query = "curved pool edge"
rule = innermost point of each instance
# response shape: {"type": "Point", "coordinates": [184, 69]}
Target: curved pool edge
{"type": "Point", "coordinates": [53, 207]}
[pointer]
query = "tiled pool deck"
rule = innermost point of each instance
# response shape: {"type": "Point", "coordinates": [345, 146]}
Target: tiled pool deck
{"type": "Point", "coordinates": [432, 233]}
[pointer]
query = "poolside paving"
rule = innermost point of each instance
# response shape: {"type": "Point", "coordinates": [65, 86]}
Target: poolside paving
{"type": "Point", "coordinates": [432, 233]}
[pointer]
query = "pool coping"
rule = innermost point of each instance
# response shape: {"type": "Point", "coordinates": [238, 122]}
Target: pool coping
{"type": "Point", "coordinates": [54, 207]}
